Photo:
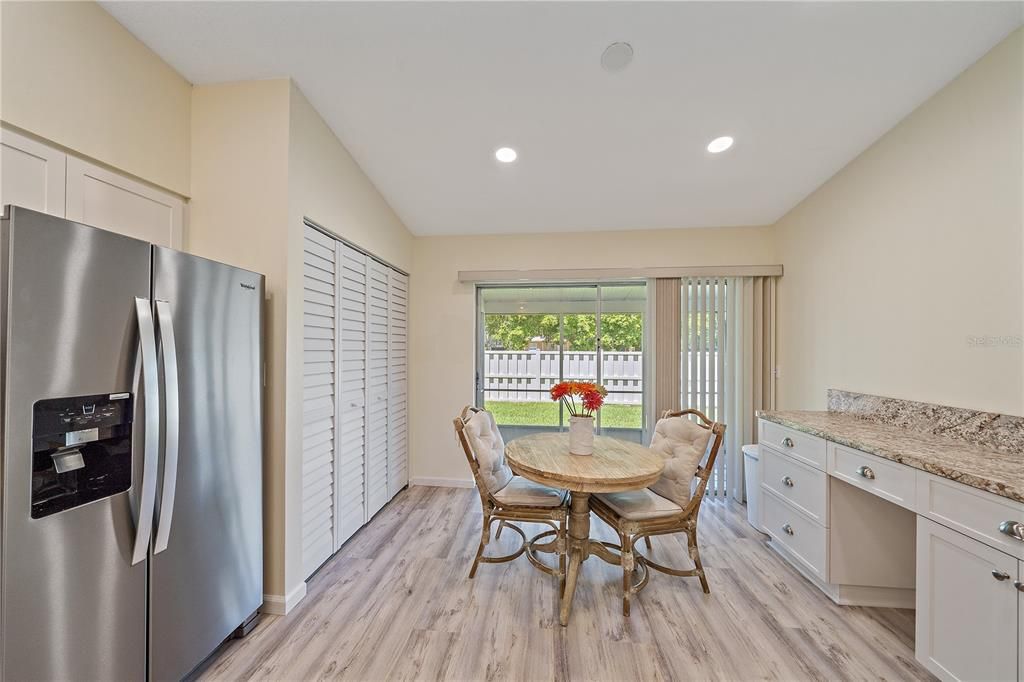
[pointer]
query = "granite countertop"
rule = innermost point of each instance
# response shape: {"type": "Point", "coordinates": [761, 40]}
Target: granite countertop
{"type": "Point", "coordinates": [994, 471]}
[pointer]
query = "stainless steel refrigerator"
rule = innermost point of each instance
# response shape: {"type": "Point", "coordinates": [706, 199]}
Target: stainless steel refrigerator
{"type": "Point", "coordinates": [130, 504]}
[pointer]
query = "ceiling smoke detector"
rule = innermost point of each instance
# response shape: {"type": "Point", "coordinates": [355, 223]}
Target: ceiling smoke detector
{"type": "Point", "coordinates": [616, 57]}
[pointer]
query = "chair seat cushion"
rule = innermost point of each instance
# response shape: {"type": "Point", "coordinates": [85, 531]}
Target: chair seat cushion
{"type": "Point", "coordinates": [639, 505]}
{"type": "Point", "coordinates": [522, 491]}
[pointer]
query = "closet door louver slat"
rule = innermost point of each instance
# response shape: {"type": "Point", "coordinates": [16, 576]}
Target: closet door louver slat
{"type": "Point", "coordinates": [398, 448]}
{"type": "Point", "coordinates": [351, 392]}
{"type": "Point", "coordinates": [318, 403]}
{"type": "Point", "coordinates": [355, 385]}
{"type": "Point", "coordinates": [377, 387]}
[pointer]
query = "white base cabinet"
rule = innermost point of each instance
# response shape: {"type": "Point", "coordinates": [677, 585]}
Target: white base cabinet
{"type": "Point", "coordinates": [848, 520]}
{"type": "Point", "coordinates": [968, 626]}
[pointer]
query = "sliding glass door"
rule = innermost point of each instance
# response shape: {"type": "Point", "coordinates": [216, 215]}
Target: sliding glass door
{"type": "Point", "coordinates": [532, 337]}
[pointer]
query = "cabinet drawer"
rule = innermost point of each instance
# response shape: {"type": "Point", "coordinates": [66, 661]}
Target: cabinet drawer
{"type": "Point", "coordinates": [890, 481]}
{"type": "Point", "coordinates": [798, 445]}
{"type": "Point", "coordinates": [806, 541]}
{"type": "Point", "coordinates": [799, 484]}
{"type": "Point", "coordinates": [975, 513]}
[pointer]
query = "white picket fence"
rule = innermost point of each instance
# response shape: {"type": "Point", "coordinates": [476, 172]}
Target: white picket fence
{"type": "Point", "coordinates": [526, 376]}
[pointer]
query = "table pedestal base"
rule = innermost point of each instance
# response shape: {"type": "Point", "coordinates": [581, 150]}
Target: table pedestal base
{"type": "Point", "coordinates": [580, 548]}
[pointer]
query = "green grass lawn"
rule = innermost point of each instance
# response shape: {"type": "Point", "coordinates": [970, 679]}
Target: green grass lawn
{"type": "Point", "coordinates": [546, 414]}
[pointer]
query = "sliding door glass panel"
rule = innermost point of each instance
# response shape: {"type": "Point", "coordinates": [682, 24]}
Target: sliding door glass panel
{"type": "Point", "coordinates": [533, 337]}
{"type": "Point", "coordinates": [521, 364]}
{"type": "Point", "coordinates": [621, 359]}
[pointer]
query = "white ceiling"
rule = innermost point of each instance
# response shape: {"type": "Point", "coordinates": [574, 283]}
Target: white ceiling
{"type": "Point", "coordinates": [422, 94]}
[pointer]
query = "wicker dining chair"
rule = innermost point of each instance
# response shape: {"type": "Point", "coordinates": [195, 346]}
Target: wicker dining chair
{"type": "Point", "coordinates": [508, 498]}
{"type": "Point", "coordinates": [667, 506]}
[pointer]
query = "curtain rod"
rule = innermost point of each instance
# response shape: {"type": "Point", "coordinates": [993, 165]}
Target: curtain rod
{"type": "Point", "coordinates": [619, 274]}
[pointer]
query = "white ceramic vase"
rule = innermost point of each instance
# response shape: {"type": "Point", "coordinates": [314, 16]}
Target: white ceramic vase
{"type": "Point", "coordinates": [581, 435]}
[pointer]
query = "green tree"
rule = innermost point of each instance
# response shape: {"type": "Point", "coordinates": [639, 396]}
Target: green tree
{"type": "Point", "coordinates": [514, 332]}
{"type": "Point", "coordinates": [619, 331]}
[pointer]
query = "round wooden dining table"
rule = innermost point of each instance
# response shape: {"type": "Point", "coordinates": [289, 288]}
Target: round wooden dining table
{"type": "Point", "coordinates": [615, 466]}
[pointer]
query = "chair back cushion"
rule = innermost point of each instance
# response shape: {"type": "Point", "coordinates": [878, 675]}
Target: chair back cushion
{"type": "Point", "coordinates": [489, 449]}
{"type": "Point", "coordinates": [682, 443]}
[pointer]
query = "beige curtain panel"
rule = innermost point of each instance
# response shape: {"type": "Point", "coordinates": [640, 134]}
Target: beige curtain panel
{"type": "Point", "coordinates": [750, 385]}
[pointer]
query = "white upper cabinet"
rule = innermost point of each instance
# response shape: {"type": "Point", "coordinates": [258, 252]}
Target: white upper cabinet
{"type": "Point", "coordinates": [31, 174]}
{"type": "Point", "coordinates": [40, 177]}
{"type": "Point", "coordinates": [102, 198]}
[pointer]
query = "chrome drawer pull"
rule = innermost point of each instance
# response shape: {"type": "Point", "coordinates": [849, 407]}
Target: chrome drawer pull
{"type": "Point", "coordinates": [1000, 575]}
{"type": "Point", "coordinates": [1019, 585]}
{"type": "Point", "coordinates": [866, 472]}
{"type": "Point", "coordinates": [787, 529]}
{"type": "Point", "coordinates": [787, 442]}
{"type": "Point", "coordinates": [787, 481]}
{"type": "Point", "coordinates": [1015, 529]}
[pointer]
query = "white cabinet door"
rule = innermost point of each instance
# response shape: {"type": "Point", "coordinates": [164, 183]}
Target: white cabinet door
{"type": "Point", "coordinates": [376, 386]}
{"type": "Point", "coordinates": [31, 174]}
{"type": "Point", "coordinates": [398, 383]}
{"type": "Point", "coordinates": [318, 399]}
{"type": "Point", "coordinates": [966, 606]}
{"type": "Point", "coordinates": [351, 460]}
{"type": "Point", "coordinates": [102, 198]}
{"type": "Point", "coordinates": [1020, 620]}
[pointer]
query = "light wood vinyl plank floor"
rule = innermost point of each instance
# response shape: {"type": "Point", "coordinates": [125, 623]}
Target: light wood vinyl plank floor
{"type": "Point", "coordinates": [396, 604]}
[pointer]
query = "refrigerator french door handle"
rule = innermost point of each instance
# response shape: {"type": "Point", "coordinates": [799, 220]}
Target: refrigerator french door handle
{"type": "Point", "coordinates": [171, 432]}
{"type": "Point", "coordinates": [151, 451]}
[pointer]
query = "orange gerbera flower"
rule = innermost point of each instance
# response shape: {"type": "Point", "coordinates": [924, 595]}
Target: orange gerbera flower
{"type": "Point", "coordinates": [591, 397]}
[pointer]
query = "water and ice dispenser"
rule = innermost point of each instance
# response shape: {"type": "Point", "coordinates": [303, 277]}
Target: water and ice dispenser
{"type": "Point", "coordinates": [81, 450]}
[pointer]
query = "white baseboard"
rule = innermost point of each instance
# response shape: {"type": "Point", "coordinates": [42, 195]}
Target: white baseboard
{"type": "Point", "coordinates": [442, 482]}
{"type": "Point", "coordinates": [280, 605]}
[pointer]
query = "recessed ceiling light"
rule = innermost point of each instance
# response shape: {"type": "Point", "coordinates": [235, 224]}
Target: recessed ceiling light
{"type": "Point", "coordinates": [506, 155]}
{"type": "Point", "coordinates": [720, 144]}
{"type": "Point", "coordinates": [616, 56]}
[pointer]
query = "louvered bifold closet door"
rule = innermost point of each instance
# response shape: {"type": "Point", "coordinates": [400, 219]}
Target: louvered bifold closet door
{"type": "Point", "coordinates": [318, 403]}
{"type": "Point", "coordinates": [351, 460]}
{"type": "Point", "coordinates": [376, 387]}
{"type": "Point", "coordinates": [398, 383]}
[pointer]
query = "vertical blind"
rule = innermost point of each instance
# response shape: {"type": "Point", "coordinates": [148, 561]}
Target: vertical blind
{"type": "Point", "coordinates": [727, 368]}
{"type": "Point", "coordinates": [702, 366]}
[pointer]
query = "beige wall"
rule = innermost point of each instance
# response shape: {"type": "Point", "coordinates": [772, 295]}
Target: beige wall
{"type": "Point", "coordinates": [442, 311]}
{"type": "Point", "coordinates": [262, 160]}
{"type": "Point", "coordinates": [240, 216]}
{"type": "Point", "coordinates": [71, 74]}
{"type": "Point", "coordinates": [912, 248]}
{"type": "Point", "coordinates": [328, 186]}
